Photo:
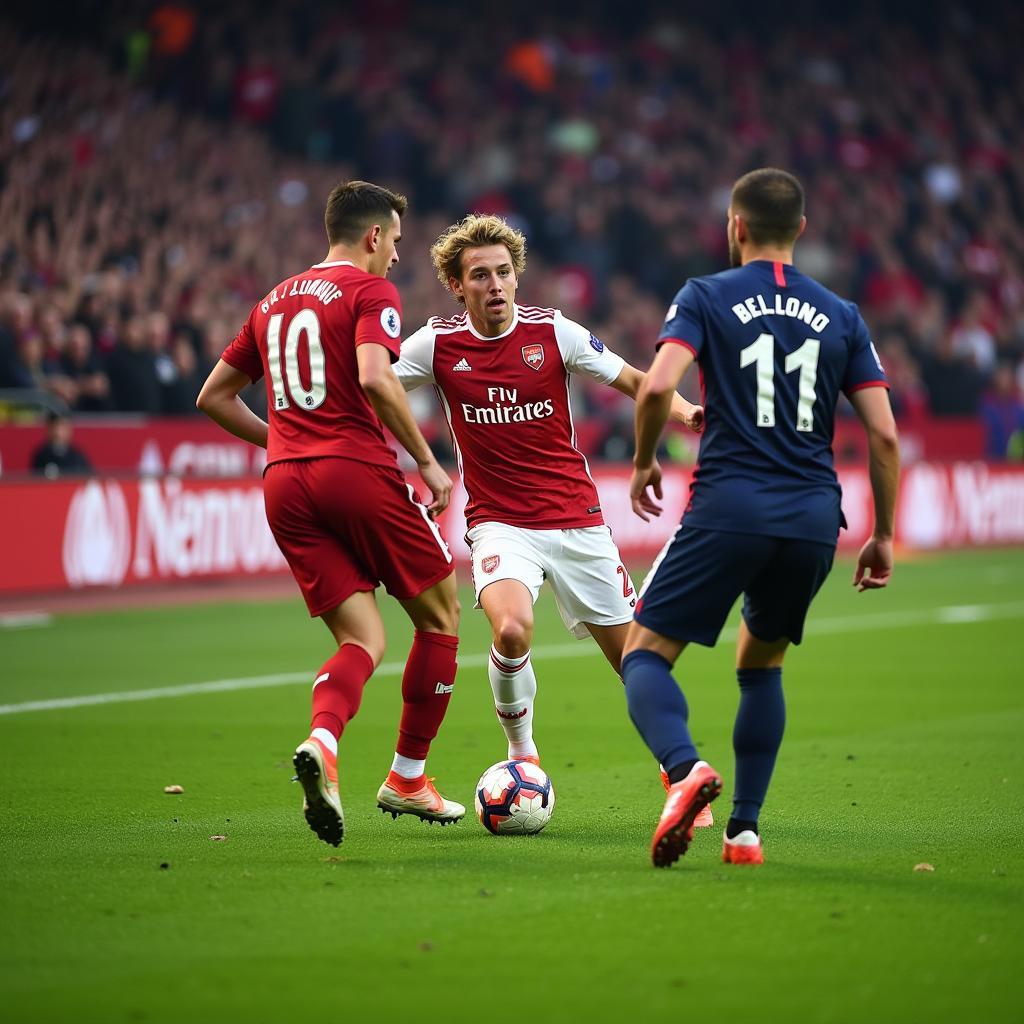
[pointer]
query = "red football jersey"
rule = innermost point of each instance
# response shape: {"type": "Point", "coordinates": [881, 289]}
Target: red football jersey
{"type": "Point", "coordinates": [507, 404]}
{"type": "Point", "coordinates": [302, 337]}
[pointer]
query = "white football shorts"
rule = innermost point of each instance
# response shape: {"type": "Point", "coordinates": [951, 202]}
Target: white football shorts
{"type": "Point", "coordinates": [583, 567]}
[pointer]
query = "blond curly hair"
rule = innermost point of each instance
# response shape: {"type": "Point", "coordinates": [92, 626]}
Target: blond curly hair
{"type": "Point", "coordinates": [472, 232]}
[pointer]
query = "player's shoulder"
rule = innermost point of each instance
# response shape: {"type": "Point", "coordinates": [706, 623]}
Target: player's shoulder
{"type": "Point", "coordinates": [446, 324]}
{"type": "Point", "coordinates": [696, 288]}
{"type": "Point", "coordinates": [537, 314]}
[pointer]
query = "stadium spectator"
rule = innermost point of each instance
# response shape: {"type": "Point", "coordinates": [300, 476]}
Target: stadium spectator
{"type": "Point", "coordinates": [954, 383]}
{"type": "Point", "coordinates": [132, 368]}
{"type": "Point", "coordinates": [1002, 409]}
{"type": "Point", "coordinates": [84, 369]}
{"type": "Point", "coordinates": [57, 456]}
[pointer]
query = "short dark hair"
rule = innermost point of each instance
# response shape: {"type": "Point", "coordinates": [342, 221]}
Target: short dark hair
{"type": "Point", "coordinates": [771, 201]}
{"type": "Point", "coordinates": [354, 206]}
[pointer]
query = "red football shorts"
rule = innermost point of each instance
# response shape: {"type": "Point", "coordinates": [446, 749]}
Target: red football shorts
{"type": "Point", "coordinates": [346, 526]}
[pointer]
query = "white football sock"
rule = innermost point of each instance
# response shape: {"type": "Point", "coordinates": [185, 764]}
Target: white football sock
{"type": "Point", "coordinates": [327, 738]}
{"type": "Point", "coordinates": [514, 687]}
{"type": "Point", "coordinates": [407, 767]}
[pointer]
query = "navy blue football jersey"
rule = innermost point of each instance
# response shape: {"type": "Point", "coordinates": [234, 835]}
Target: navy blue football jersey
{"type": "Point", "coordinates": [774, 349]}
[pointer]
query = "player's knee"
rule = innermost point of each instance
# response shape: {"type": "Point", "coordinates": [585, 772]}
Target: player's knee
{"type": "Point", "coordinates": [512, 636]}
{"type": "Point", "coordinates": [376, 652]}
{"type": "Point", "coordinates": [441, 617]}
{"type": "Point", "coordinates": [446, 620]}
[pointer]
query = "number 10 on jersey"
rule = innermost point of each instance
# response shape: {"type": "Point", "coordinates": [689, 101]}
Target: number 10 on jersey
{"type": "Point", "coordinates": [304, 322]}
{"type": "Point", "coordinates": [761, 352]}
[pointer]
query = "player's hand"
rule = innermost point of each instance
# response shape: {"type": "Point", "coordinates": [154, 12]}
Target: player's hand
{"type": "Point", "coordinates": [874, 565]}
{"type": "Point", "coordinates": [440, 485]}
{"type": "Point", "coordinates": [643, 503]}
{"type": "Point", "coordinates": [695, 418]}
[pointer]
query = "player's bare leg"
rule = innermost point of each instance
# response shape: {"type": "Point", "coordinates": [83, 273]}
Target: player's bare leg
{"type": "Point", "coordinates": [358, 630]}
{"type": "Point", "coordinates": [611, 640]}
{"type": "Point", "coordinates": [760, 722]}
{"type": "Point", "coordinates": [427, 685]}
{"type": "Point", "coordinates": [508, 606]}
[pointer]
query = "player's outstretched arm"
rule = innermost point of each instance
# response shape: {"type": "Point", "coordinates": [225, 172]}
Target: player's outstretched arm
{"type": "Point", "coordinates": [218, 398]}
{"type": "Point", "coordinates": [629, 382]}
{"type": "Point", "coordinates": [387, 396]}
{"type": "Point", "coordinates": [874, 564]}
{"type": "Point", "coordinates": [653, 404]}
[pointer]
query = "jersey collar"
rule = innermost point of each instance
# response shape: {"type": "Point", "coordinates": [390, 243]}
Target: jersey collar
{"type": "Point", "coordinates": [333, 263]}
{"type": "Point", "coordinates": [504, 334]}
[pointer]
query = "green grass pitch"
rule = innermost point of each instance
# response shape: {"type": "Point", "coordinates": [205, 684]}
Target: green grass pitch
{"type": "Point", "coordinates": [905, 745]}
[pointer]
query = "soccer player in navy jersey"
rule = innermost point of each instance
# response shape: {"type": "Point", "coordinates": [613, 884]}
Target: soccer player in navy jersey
{"type": "Point", "coordinates": [337, 503]}
{"type": "Point", "coordinates": [775, 349]}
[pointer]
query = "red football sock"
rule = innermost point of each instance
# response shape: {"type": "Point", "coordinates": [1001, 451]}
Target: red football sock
{"type": "Point", "coordinates": [426, 690]}
{"type": "Point", "coordinates": [339, 688]}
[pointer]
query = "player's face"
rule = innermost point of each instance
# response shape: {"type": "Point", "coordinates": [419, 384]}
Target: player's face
{"type": "Point", "coordinates": [385, 256]}
{"type": "Point", "coordinates": [488, 287]}
{"type": "Point", "coordinates": [735, 260]}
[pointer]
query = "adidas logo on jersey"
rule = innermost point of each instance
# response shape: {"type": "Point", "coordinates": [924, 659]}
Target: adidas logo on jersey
{"type": "Point", "coordinates": [462, 366]}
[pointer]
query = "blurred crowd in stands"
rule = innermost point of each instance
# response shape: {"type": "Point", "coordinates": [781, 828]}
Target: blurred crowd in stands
{"type": "Point", "coordinates": [162, 167]}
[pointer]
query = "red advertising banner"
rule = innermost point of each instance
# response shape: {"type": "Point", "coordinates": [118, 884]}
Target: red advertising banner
{"type": "Point", "coordinates": [141, 446]}
{"type": "Point", "coordinates": [195, 446]}
{"type": "Point", "coordinates": [112, 533]}
{"type": "Point", "coordinates": [69, 535]}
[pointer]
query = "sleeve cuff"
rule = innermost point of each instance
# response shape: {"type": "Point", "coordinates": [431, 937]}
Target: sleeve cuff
{"type": "Point", "coordinates": [676, 341]}
{"type": "Point", "coordinates": [867, 384]}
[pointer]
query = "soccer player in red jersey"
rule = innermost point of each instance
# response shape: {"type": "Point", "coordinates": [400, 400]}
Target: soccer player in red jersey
{"type": "Point", "coordinates": [336, 501]}
{"type": "Point", "coordinates": [502, 371]}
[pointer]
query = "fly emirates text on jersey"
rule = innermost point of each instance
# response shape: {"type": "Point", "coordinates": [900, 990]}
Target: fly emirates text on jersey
{"type": "Point", "coordinates": [503, 408]}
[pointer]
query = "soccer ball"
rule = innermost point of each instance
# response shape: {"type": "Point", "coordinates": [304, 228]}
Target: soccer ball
{"type": "Point", "coordinates": [514, 798]}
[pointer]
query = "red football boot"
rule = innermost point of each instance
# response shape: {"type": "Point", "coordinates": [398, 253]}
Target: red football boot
{"type": "Point", "coordinates": [686, 799]}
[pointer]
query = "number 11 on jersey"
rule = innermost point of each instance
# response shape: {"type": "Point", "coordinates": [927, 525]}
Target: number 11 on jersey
{"type": "Point", "coordinates": [761, 352]}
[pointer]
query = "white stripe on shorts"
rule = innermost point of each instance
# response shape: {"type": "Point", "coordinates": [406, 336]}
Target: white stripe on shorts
{"type": "Point", "coordinates": [654, 566]}
{"type": "Point", "coordinates": [430, 522]}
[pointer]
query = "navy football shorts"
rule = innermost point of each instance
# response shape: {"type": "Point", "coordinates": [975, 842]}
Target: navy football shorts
{"type": "Point", "coordinates": [696, 579]}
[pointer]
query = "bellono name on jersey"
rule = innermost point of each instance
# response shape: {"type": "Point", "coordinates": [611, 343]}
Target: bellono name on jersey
{"type": "Point", "coordinates": [325, 291]}
{"type": "Point", "coordinates": [499, 412]}
{"type": "Point", "coordinates": [790, 306]}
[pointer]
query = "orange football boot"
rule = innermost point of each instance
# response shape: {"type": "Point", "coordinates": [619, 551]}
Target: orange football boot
{"type": "Point", "coordinates": [744, 848]}
{"type": "Point", "coordinates": [704, 819]}
{"type": "Point", "coordinates": [316, 768]}
{"type": "Point", "coordinates": [416, 796]}
{"type": "Point", "coordinates": [685, 801]}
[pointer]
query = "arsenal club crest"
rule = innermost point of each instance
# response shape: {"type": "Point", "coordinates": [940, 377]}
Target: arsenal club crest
{"type": "Point", "coordinates": [490, 563]}
{"type": "Point", "coordinates": [533, 356]}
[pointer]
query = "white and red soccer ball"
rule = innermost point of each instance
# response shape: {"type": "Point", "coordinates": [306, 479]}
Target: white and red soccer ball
{"type": "Point", "coordinates": [514, 798]}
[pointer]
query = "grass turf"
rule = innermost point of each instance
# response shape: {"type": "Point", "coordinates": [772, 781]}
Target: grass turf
{"type": "Point", "coordinates": [903, 747]}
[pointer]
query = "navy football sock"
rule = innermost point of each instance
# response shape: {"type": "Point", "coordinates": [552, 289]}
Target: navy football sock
{"type": "Point", "coordinates": [738, 825]}
{"type": "Point", "coordinates": [756, 737]}
{"type": "Point", "coordinates": [658, 708]}
{"type": "Point", "coordinates": [680, 771]}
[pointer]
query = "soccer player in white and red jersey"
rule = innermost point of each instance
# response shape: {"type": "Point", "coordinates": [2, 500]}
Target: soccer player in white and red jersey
{"type": "Point", "coordinates": [502, 372]}
{"type": "Point", "coordinates": [336, 501]}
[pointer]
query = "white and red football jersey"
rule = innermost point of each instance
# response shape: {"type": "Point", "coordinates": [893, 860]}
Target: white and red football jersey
{"type": "Point", "coordinates": [507, 404]}
{"type": "Point", "coordinates": [303, 338]}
